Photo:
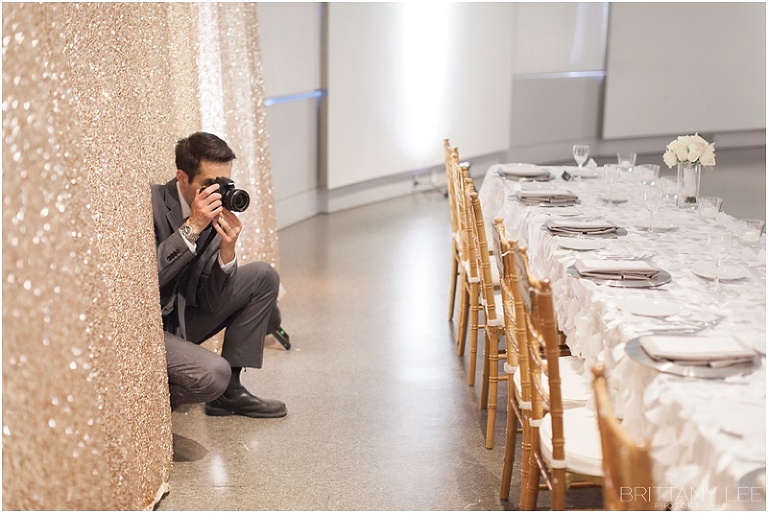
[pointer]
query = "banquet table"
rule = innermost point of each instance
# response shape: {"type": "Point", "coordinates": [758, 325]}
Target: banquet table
{"type": "Point", "coordinates": [707, 436]}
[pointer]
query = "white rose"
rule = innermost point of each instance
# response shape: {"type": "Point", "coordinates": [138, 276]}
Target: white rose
{"type": "Point", "coordinates": [681, 150]}
{"type": "Point", "coordinates": [694, 152]}
{"type": "Point", "coordinates": [697, 139]}
{"type": "Point", "coordinates": [708, 157]}
{"type": "Point", "coordinates": [669, 158]}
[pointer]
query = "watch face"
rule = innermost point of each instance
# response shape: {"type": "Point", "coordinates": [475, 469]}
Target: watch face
{"type": "Point", "coordinates": [188, 233]}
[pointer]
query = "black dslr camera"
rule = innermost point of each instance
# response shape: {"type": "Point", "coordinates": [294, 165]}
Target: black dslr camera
{"type": "Point", "coordinates": [234, 200]}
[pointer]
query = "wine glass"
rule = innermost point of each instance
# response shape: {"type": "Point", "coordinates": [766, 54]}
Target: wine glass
{"type": "Point", "coordinates": [719, 245]}
{"type": "Point", "coordinates": [612, 173]}
{"type": "Point", "coordinates": [580, 154]}
{"type": "Point", "coordinates": [653, 195]}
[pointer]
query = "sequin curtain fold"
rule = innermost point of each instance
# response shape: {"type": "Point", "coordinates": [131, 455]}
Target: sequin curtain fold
{"type": "Point", "coordinates": [94, 98]}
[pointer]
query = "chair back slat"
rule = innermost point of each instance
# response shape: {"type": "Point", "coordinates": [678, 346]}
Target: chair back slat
{"type": "Point", "coordinates": [504, 263]}
{"type": "Point", "coordinates": [479, 249]}
{"type": "Point", "coordinates": [451, 156]}
{"type": "Point", "coordinates": [461, 175]}
{"type": "Point", "coordinates": [545, 326]}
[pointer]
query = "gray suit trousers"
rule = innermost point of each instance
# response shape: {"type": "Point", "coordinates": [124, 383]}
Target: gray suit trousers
{"type": "Point", "coordinates": [245, 309]}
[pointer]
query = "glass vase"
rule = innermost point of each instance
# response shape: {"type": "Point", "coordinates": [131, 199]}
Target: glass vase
{"type": "Point", "coordinates": [688, 182]}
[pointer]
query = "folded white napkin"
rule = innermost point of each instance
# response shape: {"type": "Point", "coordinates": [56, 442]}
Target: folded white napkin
{"type": "Point", "coordinates": [616, 269]}
{"type": "Point", "coordinates": [569, 226]}
{"type": "Point", "coordinates": [547, 196]}
{"type": "Point", "coordinates": [521, 171]}
{"type": "Point", "coordinates": [713, 351]}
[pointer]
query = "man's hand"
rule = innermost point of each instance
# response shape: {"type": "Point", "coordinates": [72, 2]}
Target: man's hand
{"type": "Point", "coordinates": [205, 208]}
{"type": "Point", "coordinates": [229, 227]}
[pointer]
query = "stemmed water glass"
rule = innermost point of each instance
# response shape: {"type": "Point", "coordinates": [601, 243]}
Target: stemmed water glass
{"type": "Point", "coordinates": [612, 173]}
{"type": "Point", "coordinates": [580, 154]}
{"type": "Point", "coordinates": [653, 195]}
{"type": "Point", "coordinates": [719, 244]}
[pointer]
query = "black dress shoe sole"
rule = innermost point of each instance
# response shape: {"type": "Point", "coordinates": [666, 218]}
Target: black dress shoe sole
{"type": "Point", "coordinates": [213, 411]}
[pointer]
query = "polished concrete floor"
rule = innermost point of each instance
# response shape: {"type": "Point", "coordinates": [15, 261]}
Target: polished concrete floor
{"type": "Point", "coordinates": [379, 413]}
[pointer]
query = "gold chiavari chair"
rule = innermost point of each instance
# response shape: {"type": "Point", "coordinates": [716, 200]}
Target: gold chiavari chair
{"type": "Point", "coordinates": [451, 155]}
{"type": "Point", "coordinates": [469, 280]}
{"type": "Point", "coordinates": [493, 320]}
{"type": "Point", "coordinates": [512, 262]}
{"type": "Point", "coordinates": [516, 366]}
{"type": "Point", "coordinates": [626, 463]}
{"type": "Point", "coordinates": [579, 463]}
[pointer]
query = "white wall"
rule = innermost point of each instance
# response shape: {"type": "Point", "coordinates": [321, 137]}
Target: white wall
{"type": "Point", "coordinates": [693, 70]}
{"type": "Point", "coordinates": [401, 76]}
{"type": "Point", "coordinates": [290, 35]}
{"type": "Point", "coordinates": [559, 37]}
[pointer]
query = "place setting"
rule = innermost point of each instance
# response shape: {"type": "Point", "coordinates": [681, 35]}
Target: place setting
{"type": "Point", "coordinates": [584, 228]}
{"type": "Point", "coordinates": [694, 356]}
{"type": "Point", "coordinates": [547, 197]}
{"type": "Point", "coordinates": [622, 273]}
{"type": "Point", "coordinates": [523, 172]}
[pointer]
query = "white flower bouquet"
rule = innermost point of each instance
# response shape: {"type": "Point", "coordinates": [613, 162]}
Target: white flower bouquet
{"type": "Point", "coordinates": [690, 148]}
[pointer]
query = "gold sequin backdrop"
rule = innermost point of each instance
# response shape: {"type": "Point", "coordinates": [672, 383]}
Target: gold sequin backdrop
{"type": "Point", "coordinates": [94, 98]}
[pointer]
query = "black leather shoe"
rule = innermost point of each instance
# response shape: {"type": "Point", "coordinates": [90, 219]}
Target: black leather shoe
{"type": "Point", "coordinates": [241, 402]}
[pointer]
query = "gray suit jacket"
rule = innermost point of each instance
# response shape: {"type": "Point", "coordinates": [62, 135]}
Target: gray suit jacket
{"type": "Point", "coordinates": [186, 278]}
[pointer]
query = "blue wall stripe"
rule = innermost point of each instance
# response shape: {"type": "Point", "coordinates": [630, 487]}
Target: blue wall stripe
{"type": "Point", "coordinates": [275, 100]}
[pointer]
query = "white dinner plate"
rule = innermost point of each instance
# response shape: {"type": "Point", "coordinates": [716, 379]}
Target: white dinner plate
{"type": "Point", "coordinates": [647, 307]}
{"type": "Point", "coordinates": [615, 198]}
{"type": "Point", "coordinates": [579, 244]}
{"type": "Point", "coordinates": [706, 270]}
{"type": "Point", "coordinates": [522, 170]}
{"type": "Point", "coordinates": [661, 225]}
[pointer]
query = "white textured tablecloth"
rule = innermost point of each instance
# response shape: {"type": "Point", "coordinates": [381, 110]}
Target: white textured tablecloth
{"type": "Point", "coordinates": [689, 422]}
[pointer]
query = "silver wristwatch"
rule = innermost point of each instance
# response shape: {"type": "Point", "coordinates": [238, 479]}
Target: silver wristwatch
{"type": "Point", "coordinates": [189, 233]}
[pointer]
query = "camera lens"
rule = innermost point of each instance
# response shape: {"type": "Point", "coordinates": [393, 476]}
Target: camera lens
{"type": "Point", "coordinates": [236, 200]}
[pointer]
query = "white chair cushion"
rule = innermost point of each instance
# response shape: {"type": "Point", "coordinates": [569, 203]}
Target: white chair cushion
{"type": "Point", "coordinates": [499, 303]}
{"type": "Point", "coordinates": [574, 389]}
{"type": "Point", "coordinates": [489, 235]}
{"type": "Point", "coordinates": [583, 453]}
{"type": "Point", "coordinates": [495, 276]}
{"type": "Point", "coordinates": [494, 273]}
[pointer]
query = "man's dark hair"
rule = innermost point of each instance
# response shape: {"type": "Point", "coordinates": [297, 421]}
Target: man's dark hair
{"type": "Point", "coordinates": [201, 146]}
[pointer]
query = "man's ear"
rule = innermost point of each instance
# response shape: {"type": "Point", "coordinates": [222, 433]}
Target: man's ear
{"type": "Point", "coordinates": [182, 177]}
